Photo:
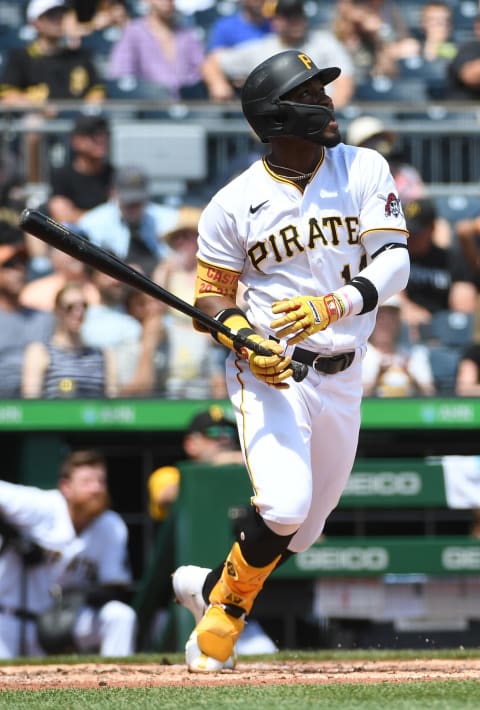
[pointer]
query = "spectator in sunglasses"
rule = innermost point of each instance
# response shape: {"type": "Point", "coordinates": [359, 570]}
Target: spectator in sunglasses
{"type": "Point", "coordinates": [64, 367]}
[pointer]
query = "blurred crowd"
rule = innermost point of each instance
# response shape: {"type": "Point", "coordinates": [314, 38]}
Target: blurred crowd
{"type": "Point", "coordinates": [60, 321]}
{"type": "Point", "coordinates": [205, 49]}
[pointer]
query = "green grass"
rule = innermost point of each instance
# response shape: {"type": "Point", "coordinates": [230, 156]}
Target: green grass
{"type": "Point", "coordinates": [414, 695]}
{"type": "Point", "coordinates": [432, 695]}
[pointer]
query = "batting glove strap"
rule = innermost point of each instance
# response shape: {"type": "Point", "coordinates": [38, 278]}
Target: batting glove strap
{"type": "Point", "coordinates": [236, 320]}
{"type": "Point", "coordinates": [306, 315]}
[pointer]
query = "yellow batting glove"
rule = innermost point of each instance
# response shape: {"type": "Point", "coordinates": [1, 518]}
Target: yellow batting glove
{"type": "Point", "coordinates": [273, 369]}
{"type": "Point", "coordinates": [306, 315]}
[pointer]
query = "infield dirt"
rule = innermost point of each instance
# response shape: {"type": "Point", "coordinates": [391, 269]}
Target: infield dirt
{"type": "Point", "coordinates": [133, 675]}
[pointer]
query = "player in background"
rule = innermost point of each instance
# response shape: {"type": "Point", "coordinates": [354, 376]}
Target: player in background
{"type": "Point", "coordinates": [67, 540]}
{"type": "Point", "coordinates": [314, 234]}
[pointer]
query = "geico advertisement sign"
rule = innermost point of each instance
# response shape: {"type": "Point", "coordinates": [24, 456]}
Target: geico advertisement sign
{"type": "Point", "coordinates": [352, 559]}
{"type": "Point", "coordinates": [461, 558]}
{"type": "Point", "coordinates": [386, 483]}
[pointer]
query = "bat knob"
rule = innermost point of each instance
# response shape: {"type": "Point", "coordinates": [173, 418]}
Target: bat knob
{"type": "Point", "coordinates": [300, 371]}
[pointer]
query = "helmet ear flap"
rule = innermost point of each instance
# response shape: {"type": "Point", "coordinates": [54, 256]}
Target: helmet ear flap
{"type": "Point", "coordinates": [286, 118]}
{"type": "Point", "coordinates": [279, 115]}
{"type": "Point", "coordinates": [271, 122]}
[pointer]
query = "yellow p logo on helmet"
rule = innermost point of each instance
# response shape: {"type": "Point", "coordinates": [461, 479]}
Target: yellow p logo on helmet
{"type": "Point", "coordinates": [305, 59]}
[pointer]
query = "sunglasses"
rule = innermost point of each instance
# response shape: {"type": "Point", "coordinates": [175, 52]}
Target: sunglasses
{"type": "Point", "coordinates": [69, 307]}
{"type": "Point", "coordinates": [15, 262]}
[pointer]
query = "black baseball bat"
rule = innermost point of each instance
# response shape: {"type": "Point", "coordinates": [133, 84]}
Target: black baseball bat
{"type": "Point", "coordinates": [61, 237]}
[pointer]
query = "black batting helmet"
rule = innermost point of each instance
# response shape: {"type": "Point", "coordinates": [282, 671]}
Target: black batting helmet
{"type": "Point", "coordinates": [263, 94]}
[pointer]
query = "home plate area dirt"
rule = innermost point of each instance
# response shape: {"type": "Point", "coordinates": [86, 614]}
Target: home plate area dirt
{"type": "Point", "coordinates": [131, 675]}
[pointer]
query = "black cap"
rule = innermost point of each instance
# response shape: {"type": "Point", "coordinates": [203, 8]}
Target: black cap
{"type": "Point", "coordinates": [12, 242]}
{"type": "Point", "coordinates": [419, 214]}
{"type": "Point", "coordinates": [89, 125]}
{"type": "Point", "coordinates": [290, 8]}
{"type": "Point", "coordinates": [212, 423]}
{"type": "Point", "coordinates": [131, 184]}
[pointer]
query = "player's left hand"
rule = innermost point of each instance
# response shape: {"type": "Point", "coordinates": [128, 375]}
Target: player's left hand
{"type": "Point", "coordinates": [273, 369]}
{"type": "Point", "coordinates": [306, 315]}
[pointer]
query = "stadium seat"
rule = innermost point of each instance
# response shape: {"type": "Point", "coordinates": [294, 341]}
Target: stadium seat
{"type": "Point", "coordinates": [446, 336]}
{"type": "Point", "coordinates": [13, 37]}
{"type": "Point", "coordinates": [384, 88]}
{"type": "Point", "coordinates": [455, 207]}
{"type": "Point", "coordinates": [11, 14]}
{"type": "Point", "coordinates": [433, 75]}
{"type": "Point", "coordinates": [444, 362]}
{"type": "Point", "coordinates": [129, 87]}
{"type": "Point", "coordinates": [451, 329]}
{"type": "Point", "coordinates": [464, 12]}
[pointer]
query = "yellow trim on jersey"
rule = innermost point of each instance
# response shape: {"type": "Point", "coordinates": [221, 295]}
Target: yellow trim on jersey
{"type": "Point", "coordinates": [215, 281]}
{"type": "Point", "coordinates": [387, 231]}
{"type": "Point", "coordinates": [282, 178]}
{"type": "Point", "coordinates": [238, 363]}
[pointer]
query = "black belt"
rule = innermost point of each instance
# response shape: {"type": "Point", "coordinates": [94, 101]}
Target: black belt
{"type": "Point", "coordinates": [19, 613]}
{"type": "Point", "coordinates": [327, 365]}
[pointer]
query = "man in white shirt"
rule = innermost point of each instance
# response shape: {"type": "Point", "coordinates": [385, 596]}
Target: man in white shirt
{"type": "Point", "coordinates": [65, 540]}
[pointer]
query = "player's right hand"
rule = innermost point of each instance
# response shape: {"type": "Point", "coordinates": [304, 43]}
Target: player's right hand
{"type": "Point", "coordinates": [273, 369]}
{"type": "Point", "coordinates": [306, 315]}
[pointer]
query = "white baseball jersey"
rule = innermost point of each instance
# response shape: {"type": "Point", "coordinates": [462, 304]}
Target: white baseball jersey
{"type": "Point", "coordinates": [299, 443]}
{"type": "Point", "coordinates": [97, 555]}
{"type": "Point", "coordinates": [286, 242]}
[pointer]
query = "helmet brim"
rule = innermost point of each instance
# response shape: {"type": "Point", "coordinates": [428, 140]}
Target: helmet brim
{"type": "Point", "coordinates": [329, 74]}
{"type": "Point", "coordinates": [326, 76]}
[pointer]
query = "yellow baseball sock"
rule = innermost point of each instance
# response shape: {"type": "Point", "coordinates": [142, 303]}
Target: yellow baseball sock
{"type": "Point", "coordinates": [239, 585]}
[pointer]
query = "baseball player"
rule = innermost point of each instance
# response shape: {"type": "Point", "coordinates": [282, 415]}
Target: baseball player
{"type": "Point", "coordinates": [79, 545]}
{"type": "Point", "coordinates": [314, 234]}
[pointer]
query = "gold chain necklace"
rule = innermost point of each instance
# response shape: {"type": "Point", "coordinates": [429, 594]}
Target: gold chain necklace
{"type": "Point", "coordinates": [298, 176]}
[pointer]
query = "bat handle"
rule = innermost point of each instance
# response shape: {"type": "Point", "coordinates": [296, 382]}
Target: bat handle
{"type": "Point", "coordinates": [300, 370]}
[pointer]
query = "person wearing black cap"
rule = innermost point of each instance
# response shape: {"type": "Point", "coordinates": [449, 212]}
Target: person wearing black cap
{"type": "Point", "coordinates": [225, 69]}
{"type": "Point", "coordinates": [130, 224]}
{"type": "Point", "coordinates": [439, 278]}
{"type": "Point", "coordinates": [85, 181]}
{"type": "Point", "coordinates": [211, 437]}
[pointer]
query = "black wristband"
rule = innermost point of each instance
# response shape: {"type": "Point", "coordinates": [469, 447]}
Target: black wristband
{"type": "Point", "coordinates": [222, 316]}
{"type": "Point", "coordinates": [227, 312]}
{"type": "Point", "coordinates": [368, 292]}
